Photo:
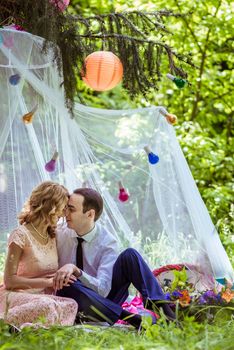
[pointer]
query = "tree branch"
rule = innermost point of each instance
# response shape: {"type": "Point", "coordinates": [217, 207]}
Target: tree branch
{"type": "Point", "coordinates": [201, 70]}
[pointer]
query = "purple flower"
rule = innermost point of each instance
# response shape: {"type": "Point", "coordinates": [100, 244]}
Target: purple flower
{"type": "Point", "coordinates": [168, 296]}
{"type": "Point", "coordinates": [209, 294]}
{"type": "Point", "coordinates": [202, 300]}
{"type": "Point", "coordinates": [219, 298]}
{"type": "Point", "coordinates": [177, 294]}
{"type": "Point", "coordinates": [209, 297]}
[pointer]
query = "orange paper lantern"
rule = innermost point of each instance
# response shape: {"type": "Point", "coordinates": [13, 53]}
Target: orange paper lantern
{"type": "Point", "coordinates": [104, 70]}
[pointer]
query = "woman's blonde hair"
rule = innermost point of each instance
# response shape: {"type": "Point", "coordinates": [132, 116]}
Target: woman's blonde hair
{"type": "Point", "coordinates": [45, 202]}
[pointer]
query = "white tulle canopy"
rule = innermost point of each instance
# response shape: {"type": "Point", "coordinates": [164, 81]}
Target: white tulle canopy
{"type": "Point", "coordinates": [165, 216]}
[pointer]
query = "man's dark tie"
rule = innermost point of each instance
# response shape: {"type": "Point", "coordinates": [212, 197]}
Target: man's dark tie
{"type": "Point", "coordinates": [79, 254]}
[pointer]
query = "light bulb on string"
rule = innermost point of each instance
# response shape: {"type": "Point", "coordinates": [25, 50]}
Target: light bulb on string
{"type": "Point", "coordinates": [225, 282]}
{"type": "Point", "coordinates": [152, 157]}
{"type": "Point", "coordinates": [15, 27]}
{"type": "Point", "coordinates": [28, 117]}
{"type": "Point", "coordinates": [221, 281]}
{"type": "Point", "coordinates": [171, 118]}
{"type": "Point", "coordinates": [123, 195]}
{"type": "Point", "coordinates": [51, 165]}
{"type": "Point", "coordinates": [179, 82]}
{"type": "Point", "coordinates": [14, 79]}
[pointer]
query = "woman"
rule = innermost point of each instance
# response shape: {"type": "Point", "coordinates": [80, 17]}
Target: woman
{"type": "Point", "coordinates": [32, 260]}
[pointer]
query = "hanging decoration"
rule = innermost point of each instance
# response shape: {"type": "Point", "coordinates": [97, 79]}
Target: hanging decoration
{"type": "Point", "coordinates": [171, 118]}
{"type": "Point", "coordinates": [103, 71]}
{"type": "Point", "coordinates": [225, 282]}
{"type": "Point", "coordinates": [123, 195]}
{"type": "Point", "coordinates": [15, 27]}
{"type": "Point", "coordinates": [50, 166]}
{"type": "Point", "coordinates": [14, 79]}
{"type": "Point", "coordinates": [60, 4]}
{"type": "Point", "coordinates": [179, 82]}
{"type": "Point", "coordinates": [153, 158]}
{"type": "Point", "coordinates": [28, 117]}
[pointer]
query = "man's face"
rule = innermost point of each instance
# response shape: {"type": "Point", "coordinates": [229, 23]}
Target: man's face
{"type": "Point", "coordinates": [75, 217]}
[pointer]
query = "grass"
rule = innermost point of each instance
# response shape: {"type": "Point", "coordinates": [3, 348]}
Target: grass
{"type": "Point", "coordinates": [192, 336]}
{"type": "Point", "coordinates": [214, 331]}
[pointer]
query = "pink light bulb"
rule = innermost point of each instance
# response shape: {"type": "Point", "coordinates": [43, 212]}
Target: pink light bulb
{"type": "Point", "coordinates": [123, 195]}
{"type": "Point", "coordinates": [50, 166]}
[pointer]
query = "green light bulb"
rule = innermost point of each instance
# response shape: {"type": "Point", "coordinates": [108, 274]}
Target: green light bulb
{"type": "Point", "coordinates": [179, 82]}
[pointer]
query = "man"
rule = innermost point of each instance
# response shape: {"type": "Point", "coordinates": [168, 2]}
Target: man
{"type": "Point", "coordinates": [90, 252]}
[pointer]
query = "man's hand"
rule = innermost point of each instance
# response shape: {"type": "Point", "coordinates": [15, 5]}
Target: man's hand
{"type": "Point", "coordinates": [65, 275]}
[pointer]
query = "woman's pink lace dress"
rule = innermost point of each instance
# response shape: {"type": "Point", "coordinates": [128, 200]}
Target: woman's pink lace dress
{"type": "Point", "coordinates": [35, 305]}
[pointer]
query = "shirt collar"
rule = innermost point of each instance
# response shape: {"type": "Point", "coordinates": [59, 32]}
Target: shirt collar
{"type": "Point", "coordinates": [89, 235]}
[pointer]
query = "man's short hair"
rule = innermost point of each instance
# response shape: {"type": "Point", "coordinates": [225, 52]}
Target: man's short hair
{"type": "Point", "coordinates": [92, 200]}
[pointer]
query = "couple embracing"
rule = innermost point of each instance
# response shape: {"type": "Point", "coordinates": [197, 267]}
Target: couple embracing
{"type": "Point", "coordinates": [54, 270]}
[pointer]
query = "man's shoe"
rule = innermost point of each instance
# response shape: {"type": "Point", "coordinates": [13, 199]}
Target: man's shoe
{"type": "Point", "coordinates": [13, 329]}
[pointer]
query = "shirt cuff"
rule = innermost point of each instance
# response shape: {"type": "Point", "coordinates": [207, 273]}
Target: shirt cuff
{"type": "Point", "coordinates": [85, 279]}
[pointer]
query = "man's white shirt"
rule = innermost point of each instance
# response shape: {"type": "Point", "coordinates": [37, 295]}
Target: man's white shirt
{"type": "Point", "coordinates": [100, 251]}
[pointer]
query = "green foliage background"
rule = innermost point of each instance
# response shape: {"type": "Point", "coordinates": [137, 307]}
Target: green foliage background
{"type": "Point", "coordinates": [204, 107]}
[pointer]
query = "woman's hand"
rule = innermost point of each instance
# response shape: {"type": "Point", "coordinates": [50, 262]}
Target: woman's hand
{"type": "Point", "coordinates": [49, 280]}
{"type": "Point", "coordinates": [65, 276]}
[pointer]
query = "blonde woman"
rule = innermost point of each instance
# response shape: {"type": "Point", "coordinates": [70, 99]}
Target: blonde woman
{"type": "Point", "coordinates": [32, 260]}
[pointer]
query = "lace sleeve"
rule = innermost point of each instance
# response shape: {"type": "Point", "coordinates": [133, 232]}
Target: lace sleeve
{"type": "Point", "coordinates": [18, 237]}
